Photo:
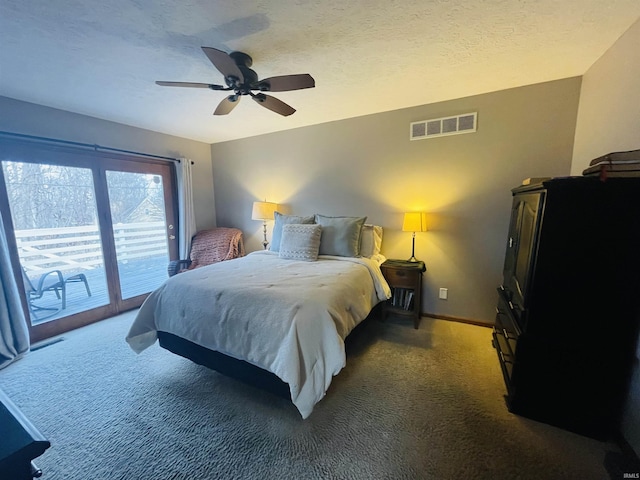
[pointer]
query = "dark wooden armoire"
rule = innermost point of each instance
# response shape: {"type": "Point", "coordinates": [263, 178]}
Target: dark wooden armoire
{"type": "Point", "coordinates": [569, 305]}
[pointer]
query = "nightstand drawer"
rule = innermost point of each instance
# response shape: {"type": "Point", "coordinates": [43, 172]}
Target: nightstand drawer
{"type": "Point", "coordinates": [401, 278]}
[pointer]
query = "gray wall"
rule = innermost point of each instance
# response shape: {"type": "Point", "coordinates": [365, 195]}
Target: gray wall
{"type": "Point", "coordinates": [30, 119]}
{"type": "Point", "coordinates": [609, 111]}
{"type": "Point", "coordinates": [609, 121]}
{"type": "Point", "coordinates": [368, 166]}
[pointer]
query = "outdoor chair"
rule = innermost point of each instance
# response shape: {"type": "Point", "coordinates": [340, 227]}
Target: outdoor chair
{"type": "Point", "coordinates": [52, 281]}
{"type": "Point", "coordinates": [78, 278]}
{"type": "Point", "coordinates": [210, 246]}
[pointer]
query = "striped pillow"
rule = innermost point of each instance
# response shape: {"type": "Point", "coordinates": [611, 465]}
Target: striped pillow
{"type": "Point", "coordinates": [300, 242]}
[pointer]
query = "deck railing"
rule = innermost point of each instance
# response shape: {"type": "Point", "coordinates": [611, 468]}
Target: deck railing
{"type": "Point", "coordinates": [73, 249]}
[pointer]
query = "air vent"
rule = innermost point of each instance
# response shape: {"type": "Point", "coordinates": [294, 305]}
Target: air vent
{"type": "Point", "coordinates": [440, 127]}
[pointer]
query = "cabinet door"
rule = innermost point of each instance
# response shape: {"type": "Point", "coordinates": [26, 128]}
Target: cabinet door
{"type": "Point", "coordinates": [521, 246]}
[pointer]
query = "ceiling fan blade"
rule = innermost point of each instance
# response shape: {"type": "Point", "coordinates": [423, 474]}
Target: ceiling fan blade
{"type": "Point", "coordinates": [285, 83]}
{"type": "Point", "coordinates": [273, 104]}
{"type": "Point", "coordinates": [223, 62]}
{"type": "Point", "coordinates": [192, 84]}
{"type": "Point", "coordinates": [226, 105]}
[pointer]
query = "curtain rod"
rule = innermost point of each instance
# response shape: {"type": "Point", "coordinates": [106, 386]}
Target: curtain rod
{"type": "Point", "coordinates": [87, 145]}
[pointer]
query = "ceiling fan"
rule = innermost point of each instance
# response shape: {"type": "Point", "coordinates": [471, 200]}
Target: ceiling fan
{"type": "Point", "coordinates": [243, 81]}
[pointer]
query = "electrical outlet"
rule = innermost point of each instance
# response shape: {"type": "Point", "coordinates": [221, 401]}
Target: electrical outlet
{"type": "Point", "coordinates": [444, 293]}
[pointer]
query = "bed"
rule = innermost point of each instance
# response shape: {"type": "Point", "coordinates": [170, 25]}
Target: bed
{"type": "Point", "coordinates": [277, 318]}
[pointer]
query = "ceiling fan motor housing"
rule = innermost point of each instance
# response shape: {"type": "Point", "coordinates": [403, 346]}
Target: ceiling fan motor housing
{"type": "Point", "coordinates": [244, 86]}
{"type": "Point", "coordinates": [241, 59]}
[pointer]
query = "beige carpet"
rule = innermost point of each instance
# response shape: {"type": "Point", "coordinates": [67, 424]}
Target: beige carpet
{"type": "Point", "coordinates": [411, 404]}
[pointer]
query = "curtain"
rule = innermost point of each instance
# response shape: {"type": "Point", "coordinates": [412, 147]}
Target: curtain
{"type": "Point", "coordinates": [187, 220]}
{"type": "Point", "coordinates": [14, 335]}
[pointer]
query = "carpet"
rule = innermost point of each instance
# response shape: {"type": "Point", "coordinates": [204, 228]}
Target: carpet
{"type": "Point", "coordinates": [410, 404]}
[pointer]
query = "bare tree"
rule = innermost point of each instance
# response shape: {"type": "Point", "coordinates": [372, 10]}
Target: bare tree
{"type": "Point", "coordinates": [53, 196]}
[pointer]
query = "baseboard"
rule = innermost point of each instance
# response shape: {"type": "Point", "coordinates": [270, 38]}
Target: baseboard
{"type": "Point", "coordinates": [45, 343]}
{"type": "Point", "coordinates": [470, 321]}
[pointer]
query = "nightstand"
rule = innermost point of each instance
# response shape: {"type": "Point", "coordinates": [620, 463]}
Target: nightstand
{"type": "Point", "coordinates": [405, 280]}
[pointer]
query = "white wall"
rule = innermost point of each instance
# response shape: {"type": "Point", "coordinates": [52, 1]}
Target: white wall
{"type": "Point", "coordinates": [368, 166]}
{"type": "Point", "coordinates": [609, 121]}
{"type": "Point", "coordinates": [609, 110]}
{"type": "Point", "coordinates": [30, 119]}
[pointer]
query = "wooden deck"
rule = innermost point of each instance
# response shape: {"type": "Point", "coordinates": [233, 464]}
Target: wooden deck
{"type": "Point", "coordinates": [136, 276]}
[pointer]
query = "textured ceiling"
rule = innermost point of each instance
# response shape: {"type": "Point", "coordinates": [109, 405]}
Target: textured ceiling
{"type": "Point", "coordinates": [101, 58]}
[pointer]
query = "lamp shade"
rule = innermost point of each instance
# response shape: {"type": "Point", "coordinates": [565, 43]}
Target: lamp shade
{"type": "Point", "coordinates": [414, 222]}
{"type": "Point", "coordinates": [263, 210]}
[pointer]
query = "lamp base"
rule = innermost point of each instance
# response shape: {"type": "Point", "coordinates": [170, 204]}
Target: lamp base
{"type": "Point", "coordinates": [264, 230]}
{"type": "Point", "coordinates": [413, 249]}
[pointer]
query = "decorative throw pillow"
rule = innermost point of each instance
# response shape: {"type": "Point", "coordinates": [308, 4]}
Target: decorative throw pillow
{"type": "Point", "coordinates": [340, 235]}
{"type": "Point", "coordinates": [300, 242]}
{"type": "Point", "coordinates": [370, 240]}
{"type": "Point", "coordinates": [280, 221]}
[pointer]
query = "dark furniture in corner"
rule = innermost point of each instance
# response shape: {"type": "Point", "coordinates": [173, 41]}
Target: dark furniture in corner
{"type": "Point", "coordinates": [405, 280]}
{"type": "Point", "coordinates": [20, 443]}
{"type": "Point", "coordinates": [568, 309]}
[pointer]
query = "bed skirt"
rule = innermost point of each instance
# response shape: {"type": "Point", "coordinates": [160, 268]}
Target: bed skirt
{"type": "Point", "coordinates": [229, 366]}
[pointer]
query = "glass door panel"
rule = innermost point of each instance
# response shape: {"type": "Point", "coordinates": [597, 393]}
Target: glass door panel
{"type": "Point", "coordinates": [55, 220]}
{"type": "Point", "coordinates": [90, 233]}
{"type": "Point", "coordinates": [138, 216]}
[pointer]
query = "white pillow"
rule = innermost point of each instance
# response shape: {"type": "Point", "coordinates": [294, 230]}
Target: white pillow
{"type": "Point", "coordinates": [371, 240]}
{"type": "Point", "coordinates": [300, 242]}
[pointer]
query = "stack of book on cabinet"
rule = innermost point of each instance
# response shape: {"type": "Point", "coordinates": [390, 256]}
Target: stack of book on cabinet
{"type": "Point", "coordinates": [402, 298]}
{"type": "Point", "coordinates": [616, 164]}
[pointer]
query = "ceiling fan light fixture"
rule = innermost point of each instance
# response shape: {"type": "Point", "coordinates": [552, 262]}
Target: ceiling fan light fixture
{"type": "Point", "coordinates": [232, 82]}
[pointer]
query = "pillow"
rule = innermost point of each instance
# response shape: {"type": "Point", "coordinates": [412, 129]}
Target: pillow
{"type": "Point", "coordinates": [371, 240]}
{"type": "Point", "coordinates": [340, 235]}
{"type": "Point", "coordinates": [280, 221]}
{"type": "Point", "coordinates": [300, 242]}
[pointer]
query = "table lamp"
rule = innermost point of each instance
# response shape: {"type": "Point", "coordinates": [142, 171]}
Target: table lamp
{"type": "Point", "coordinates": [264, 211]}
{"type": "Point", "coordinates": [414, 222]}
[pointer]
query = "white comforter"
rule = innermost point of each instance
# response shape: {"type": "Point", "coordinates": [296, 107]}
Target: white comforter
{"type": "Point", "coordinates": [288, 317]}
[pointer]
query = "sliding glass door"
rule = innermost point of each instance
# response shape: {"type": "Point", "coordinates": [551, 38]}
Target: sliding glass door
{"type": "Point", "coordinates": [139, 227]}
{"type": "Point", "coordinates": [92, 233]}
{"type": "Point", "coordinates": [54, 214]}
